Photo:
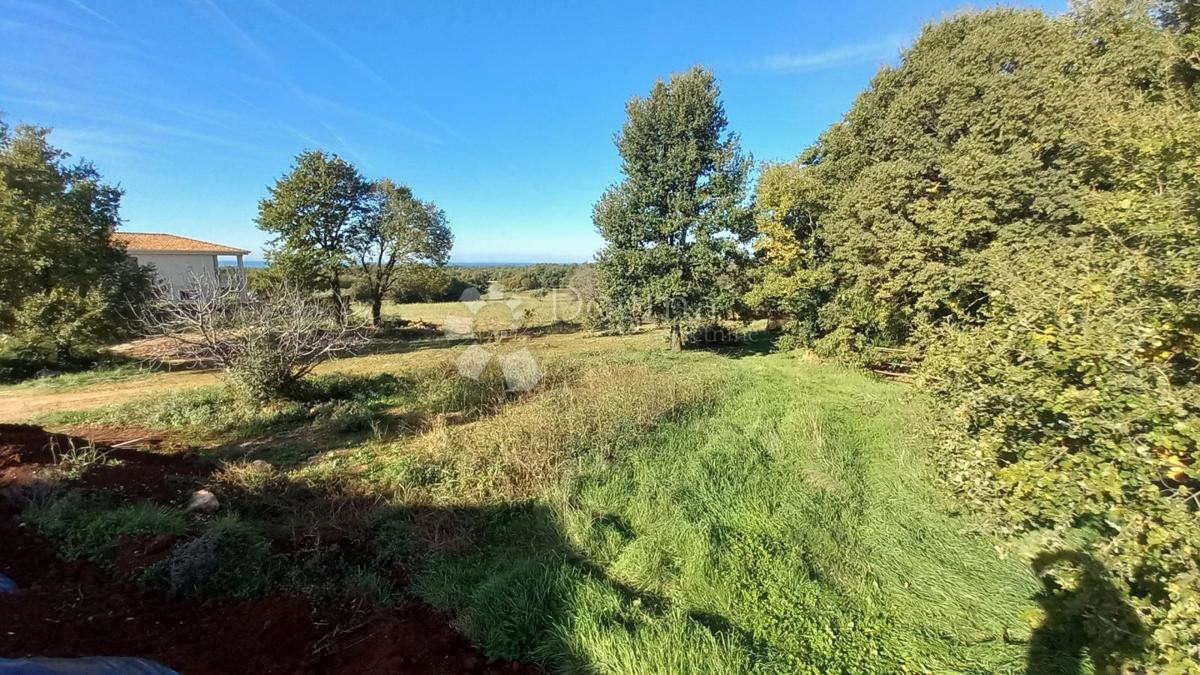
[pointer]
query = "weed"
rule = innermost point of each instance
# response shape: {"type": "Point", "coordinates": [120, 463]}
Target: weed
{"type": "Point", "coordinates": [84, 525]}
{"type": "Point", "coordinates": [77, 458]}
{"type": "Point", "coordinates": [230, 558]}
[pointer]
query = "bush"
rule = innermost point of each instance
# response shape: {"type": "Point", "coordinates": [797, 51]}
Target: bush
{"type": "Point", "coordinates": [64, 284]}
{"type": "Point", "coordinates": [230, 558]}
{"type": "Point", "coordinates": [1015, 221]}
{"type": "Point", "coordinates": [423, 283]}
{"type": "Point", "coordinates": [266, 345]}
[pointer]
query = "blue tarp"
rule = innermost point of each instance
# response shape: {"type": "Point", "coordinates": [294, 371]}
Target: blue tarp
{"type": "Point", "coordinates": [91, 665]}
{"type": "Point", "coordinates": [7, 585]}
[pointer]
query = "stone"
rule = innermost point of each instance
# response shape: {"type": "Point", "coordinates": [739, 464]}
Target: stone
{"type": "Point", "coordinates": [204, 502]}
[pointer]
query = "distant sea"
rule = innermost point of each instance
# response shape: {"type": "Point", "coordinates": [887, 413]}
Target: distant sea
{"type": "Point", "coordinates": [263, 263]}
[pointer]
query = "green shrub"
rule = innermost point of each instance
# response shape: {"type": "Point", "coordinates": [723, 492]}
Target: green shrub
{"type": "Point", "coordinates": [65, 286]}
{"type": "Point", "coordinates": [231, 558]}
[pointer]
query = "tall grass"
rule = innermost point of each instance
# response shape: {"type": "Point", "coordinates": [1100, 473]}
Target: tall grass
{"type": "Point", "coordinates": [637, 512]}
{"type": "Point", "coordinates": [791, 529]}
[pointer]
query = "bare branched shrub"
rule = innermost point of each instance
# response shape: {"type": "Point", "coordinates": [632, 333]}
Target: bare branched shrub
{"type": "Point", "coordinates": [266, 343]}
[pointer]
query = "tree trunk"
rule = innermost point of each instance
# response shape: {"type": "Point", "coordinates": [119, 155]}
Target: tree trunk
{"type": "Point", "coordinates": [336, 287]}
{"type": "Point", "coordinates": [377, 310]}
{"type": "Point", "coordinates": [676, 337]}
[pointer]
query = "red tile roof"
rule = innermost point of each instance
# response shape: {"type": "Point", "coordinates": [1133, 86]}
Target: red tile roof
{"type": "Point", "coordinates": [171, 243]}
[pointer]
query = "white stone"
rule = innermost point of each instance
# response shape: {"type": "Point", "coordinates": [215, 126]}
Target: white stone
{"type": "Point", "coordinates": [203, 501]}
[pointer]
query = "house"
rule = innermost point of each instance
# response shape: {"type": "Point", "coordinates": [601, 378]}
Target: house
{"type": "Point", "coordinates": [178, 261]}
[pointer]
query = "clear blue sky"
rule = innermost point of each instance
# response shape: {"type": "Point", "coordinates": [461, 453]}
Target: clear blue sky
{"type": "Point", "coordinates": [503, 113]}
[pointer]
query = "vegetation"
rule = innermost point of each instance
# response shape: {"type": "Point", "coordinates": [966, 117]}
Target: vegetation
{"type": "Point", "coordinates": [324, 215]}
{"type": "Point", "coordinates": [1015, 218]}
{"type": "Point", "coordinates": [1007, 220]}
{"type": "Point", "coordinates": [771, 533]}
{"type": "Point", "coordinates": [87, 525]}
{"type": "Point", "coordinates": [674, 225]}
{"type": "Point", "coordinates": [398, 230]}
{"type": "Point", "coordinates": [64, 285]}
{"type": "Point", "coordinates": [265, 346]}
{"type": "Point", "coordinates": [637, 512]}
{"type": "Point", "coordinates": [312, 212]}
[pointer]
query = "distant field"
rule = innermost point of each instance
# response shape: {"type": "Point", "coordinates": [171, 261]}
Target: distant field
{"type": "Point", "coordinates": [495, 311]}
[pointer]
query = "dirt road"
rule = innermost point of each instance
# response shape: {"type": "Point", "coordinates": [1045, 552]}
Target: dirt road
{"type": "Point", "coordinates": [21, 404]}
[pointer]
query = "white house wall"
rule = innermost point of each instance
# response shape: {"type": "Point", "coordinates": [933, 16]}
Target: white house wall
{"type": "Point", "coordinates": [179, 269]}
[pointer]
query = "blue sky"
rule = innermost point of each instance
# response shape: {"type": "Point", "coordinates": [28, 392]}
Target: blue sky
{"type": "Point", "coordinates": [503, 113]}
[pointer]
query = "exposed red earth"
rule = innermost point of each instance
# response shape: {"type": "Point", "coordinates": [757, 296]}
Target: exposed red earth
{"type": "Point", "coordinates": [71, 609]}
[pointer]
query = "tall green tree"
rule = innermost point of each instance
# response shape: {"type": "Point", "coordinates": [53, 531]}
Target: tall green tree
{"type": "Point", "coordinates": [398, 230]}
{"type": "Point", "coordinates": [313, 212]}
{"type": "Point", "coordinates": [1011, 213]}
{"type": "Point", "coordinates": [63, 283]}
{"type": "Point", "coordinates": [677, 225]}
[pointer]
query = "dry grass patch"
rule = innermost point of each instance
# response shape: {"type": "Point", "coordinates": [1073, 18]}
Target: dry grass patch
{"type": "Point", "coordinates": [522, 448]}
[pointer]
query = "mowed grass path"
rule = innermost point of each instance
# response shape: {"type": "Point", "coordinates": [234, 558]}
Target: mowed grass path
{"type": "Point", "coordinates": [791, 527]}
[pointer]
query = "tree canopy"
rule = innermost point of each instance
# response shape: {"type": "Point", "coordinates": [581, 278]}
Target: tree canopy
{"type": "Point", "coordinates": [64, 285]}
{"type": "Point", "coordinates": [326, 216]}
{"type": "Point", "coordinates": [1011, 215]}
{"type": "Point", "coordinates": [398, 230]}
{"type": "Point", "coordinates": [313, 211]}
{"type": "Point", "coordinates": [675, 227]}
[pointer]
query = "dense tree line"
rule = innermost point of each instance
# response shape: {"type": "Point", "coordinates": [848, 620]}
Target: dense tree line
{"type": "Point", "coordinates": [1013, 214]}
{"type": "Point", "coordinates": [425, 283]}
{"type": "Point", "coordinates": [65, 288]}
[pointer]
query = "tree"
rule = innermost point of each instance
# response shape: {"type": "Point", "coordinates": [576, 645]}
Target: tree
{"type": "Point", "coordinates": [398, 230]}
{"type": "Point", "coordinates": [63, 283]}
{"type": "Point", "coordinates": [313, 212]}
{"type": "Point", "coordinates": [1011, 214]}
{"type": "Point", "coordinates": [676, 226]}
{"type": "Point", "coordinates": [265, 345]}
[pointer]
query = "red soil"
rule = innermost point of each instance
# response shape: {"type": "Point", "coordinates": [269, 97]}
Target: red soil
{"type": "Point", "coordinates": [66, 609]}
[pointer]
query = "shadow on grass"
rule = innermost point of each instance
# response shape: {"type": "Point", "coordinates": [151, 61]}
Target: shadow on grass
{"type": "Point", "coordinates": [1086, 618]}
{"type": "Point", "coordinates": [506, 574]}
{"type": "Point", "coordinates": [78, 370]}
{"type": "Point", "coordinates": [753, 343]}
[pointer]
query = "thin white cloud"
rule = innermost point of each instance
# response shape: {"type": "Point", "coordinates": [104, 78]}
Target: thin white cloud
{"type": "Point", "coordinates": [94, 14]}
{"type": "Point", "coordinates": [328, 105]}
{"type": "Point", "coordinates": [313, 143]}
{"type": "Point", "coordinates": [61, 34]}
{"type": "Point", "coordinates": [836, 57]}
{"type": "Point", "coordinates": [361, 66]}
{"type": "Point", "coordinates": [247, 42]}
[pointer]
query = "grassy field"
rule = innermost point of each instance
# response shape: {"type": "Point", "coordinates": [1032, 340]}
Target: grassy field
{"type": "Point", "coordinates": [639, 511]}
{"type": "Point", "coordinates": [122, 380]}
{"type": "Point", "coordinates": [497, 310]}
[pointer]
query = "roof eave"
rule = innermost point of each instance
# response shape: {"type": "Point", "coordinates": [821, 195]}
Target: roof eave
{"type": "Point", "coordinates": [185, 251]}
